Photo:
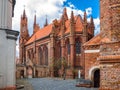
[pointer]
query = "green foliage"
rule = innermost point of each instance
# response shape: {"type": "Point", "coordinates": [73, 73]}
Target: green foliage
{"type": "Point", "coordinates": [59, 63]}
{"type": "Point", "coordinates": [64, 63]}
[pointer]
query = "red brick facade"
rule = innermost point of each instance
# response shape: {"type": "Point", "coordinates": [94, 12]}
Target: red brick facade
{"type": "Point", "coordinates": [62, 38]}
{"type": "Point", "coordinates": [110, 54]}
{"type": "Point", "coordinates": [103, 51]}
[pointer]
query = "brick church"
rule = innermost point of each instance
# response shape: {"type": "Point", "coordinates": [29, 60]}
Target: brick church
{"type": "Point", "coordinates": [97, 57]}
{"type": "Point", "coordinates": [61, 38]}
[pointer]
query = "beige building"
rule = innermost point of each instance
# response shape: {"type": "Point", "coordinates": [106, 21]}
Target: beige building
{"type": "Point", "coordinates": [8, 39]}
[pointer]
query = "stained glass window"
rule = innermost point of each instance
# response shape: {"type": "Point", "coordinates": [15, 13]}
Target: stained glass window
{"type": "Point", "coordinates": [45, 55]}
{"type": "Point", "coordinates": [78, 47]}
{"type": "Point", "coordinates": [40, 55]}
{"type": "Point", "coordinates": [68, 48]}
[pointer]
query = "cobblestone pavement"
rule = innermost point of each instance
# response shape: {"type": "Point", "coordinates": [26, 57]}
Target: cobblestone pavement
{"type": "Point", "coordinates": [55, 84]}
{"type": "Point", "coordinates": [27, 85]}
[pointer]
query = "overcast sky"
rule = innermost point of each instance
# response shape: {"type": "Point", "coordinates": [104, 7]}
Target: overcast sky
{"type": "Point", "coordinates": [53, 9]}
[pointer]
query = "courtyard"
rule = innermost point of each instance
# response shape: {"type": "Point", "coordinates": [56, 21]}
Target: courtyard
{"type": "Point", "coordinates": [54, 84]}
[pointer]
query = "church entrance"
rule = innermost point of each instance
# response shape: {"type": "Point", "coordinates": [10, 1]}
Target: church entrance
{"type": "Point", "coordinates": [96, 78]}
{"type": "Point", "coordinates": [29, 72]}
{"type": "Point", "coordinates": [36, 73]}
{"type": "Point", "coordinates": [22, 74]}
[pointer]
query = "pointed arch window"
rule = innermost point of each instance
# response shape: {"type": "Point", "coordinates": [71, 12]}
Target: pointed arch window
{"type": "Point", "coordinates": [58, 50]}
{"type": "Point", "coordinates": [68, 46]}
{"type": "Point", "coordinates": [45, 50]}
{"type": "Point", "coordinates": [78, 46]}
{"type": "Point", "coordinates": [40, 55]}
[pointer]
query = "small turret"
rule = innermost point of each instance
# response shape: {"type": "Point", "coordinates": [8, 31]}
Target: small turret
{"type": "Point", "coordinates": [92, 26]}
{"type": "Point", "coordinates": [65, 14]}
{"type": "Point", "coordinates": [46, 21]}
{"type": "Point", "coordinates": [72, 24]}
{"type": "Point", "coordinates": [62, 25]}
{"type": "Point", "coordinates": [24, 14]}
{"type": "Point", "coordinates": [35, 25]}
{"type": "Point", "coordinates": [85, 31]}
{"type": "Point", "coordinates": [34, 22]}
{"type": "Point", "coordinates": [85, 17]}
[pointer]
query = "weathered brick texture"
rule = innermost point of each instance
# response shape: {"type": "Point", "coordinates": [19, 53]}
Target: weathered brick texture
{"type": "Point", "coordinates": [110, 76]}
{"type": "Point", "coordinates": [90, 61]}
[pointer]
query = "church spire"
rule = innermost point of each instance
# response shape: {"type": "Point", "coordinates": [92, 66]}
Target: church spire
{"type": "Point", "coordinates": [85, 17]}
{"type": "Point", "coordinates": [24, 13]}
{"type": "Point", "coordinates": [91, 20]}
{"type": "Point", "coordinates": [35, 25]}
{"type": "Point", "coordinates": [72, 23]}
{"type": "Point", "coordinates": [46, 21]}
{"type": "Point", "coordinates": [34, 21]}
{"type": "Point", "coordinates": [62, 25]}
{"type": "Point", "coordinates": [92, 25]}
{"type": "Point", "coordinates": [64, 15]}
{"type": "Point", "coordinates": [72, 17]}
{"type": "Point", "coordinates": [85, 32]}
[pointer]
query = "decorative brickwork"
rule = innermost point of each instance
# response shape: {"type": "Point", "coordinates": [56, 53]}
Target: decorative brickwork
{"type": "Point", "coordinates": [110, 18]}
{"type": "Point", "coordinates": [110, 76]}
{"type": "Point", "coordinates": [90, 61]}
{"type": "Point", "coordinates": [110, 51]}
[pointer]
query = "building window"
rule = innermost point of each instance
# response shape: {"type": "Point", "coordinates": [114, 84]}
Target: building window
{"type": "Point", "coordinates": [58, 50]}
{"type": "Point", "coordinates": [68, 48]}
{"type": "Point", "coordinates": [45, 50]}
{"type": "Point", "coordinates": [67, 44]}
{"type": "Point", "coordinates": [78, 47]}
{"type": "Point", "coordinates": [40, 55]}
{"type": "Point", "coordinates": [28, 54]}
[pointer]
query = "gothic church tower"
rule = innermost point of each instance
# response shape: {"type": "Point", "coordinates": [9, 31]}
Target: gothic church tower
{"type": "Point", "coordinates": [24, 36]}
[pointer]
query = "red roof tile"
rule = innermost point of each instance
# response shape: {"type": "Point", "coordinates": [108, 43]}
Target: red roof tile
{"type": "Point", "coordinates": [98, 39]}
{"type": "Point", "coordinates": [40, 34]}
{"type": "Point", "coordinates": [78, 25]}
{"type": "Point", "coordinates": [47, 30]}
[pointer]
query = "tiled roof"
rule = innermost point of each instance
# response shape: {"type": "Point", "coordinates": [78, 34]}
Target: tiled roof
{"type": "Point", "coordinates": [47, 30]}
{"type": "Point", "coordinates": [95, 40]}
{"type": "Point", "coordinates": [40, 34]}
{"type": "Point", "coordinates": [98, 39]}
{"type": "Point", "coordinates": [78, 25]}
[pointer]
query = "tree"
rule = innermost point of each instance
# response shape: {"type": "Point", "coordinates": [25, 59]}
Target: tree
{"type": "Point", "coordinates": [64, 66]}
{"type": "Point", "coordinates": [57, 64]}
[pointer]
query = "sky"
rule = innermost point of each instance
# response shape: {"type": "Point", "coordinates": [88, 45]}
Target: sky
{"type": "Point", "coordinates": [53, 9]}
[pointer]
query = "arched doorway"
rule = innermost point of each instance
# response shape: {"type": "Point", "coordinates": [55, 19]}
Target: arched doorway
{"type": "Point", "coordinates": [22, 74]}
{"type": "Point", "coordinates": [96, 78]}
{"type": "Point", "coordinates": [30, 72]}
{"type": "Point", "coordinates": [36, 73]}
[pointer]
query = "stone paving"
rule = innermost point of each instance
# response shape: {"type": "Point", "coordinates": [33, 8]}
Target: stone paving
{"type": "Point", "coordinates": [27, 85]}
{"type": "Point", "coordinates": [55, 84]}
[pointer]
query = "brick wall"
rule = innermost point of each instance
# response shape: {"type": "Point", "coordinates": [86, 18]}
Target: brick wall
{"type": "Point", "coordinates": [110, 18]}
{"type": "Point", "coordinates": [90, 61]}
{"type": "Point", "coordinates": [110, 76]}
